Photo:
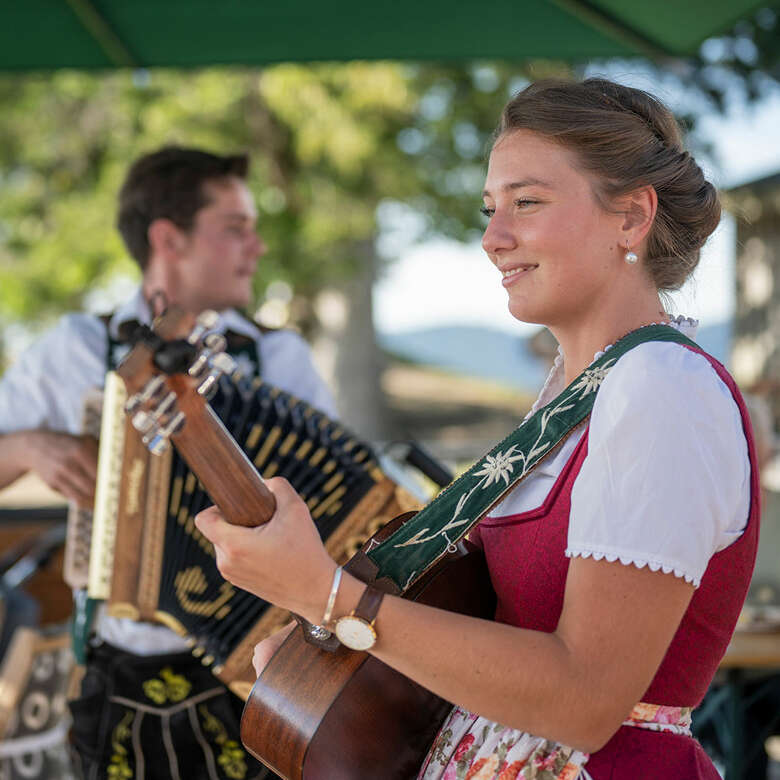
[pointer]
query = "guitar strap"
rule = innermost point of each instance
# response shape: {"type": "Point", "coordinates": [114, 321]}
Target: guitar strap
{"type": "Point", "coordinates": [433, 532]}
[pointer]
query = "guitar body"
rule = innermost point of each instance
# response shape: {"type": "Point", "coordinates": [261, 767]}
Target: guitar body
{"type": "Point", "coordinates": [317, 715]}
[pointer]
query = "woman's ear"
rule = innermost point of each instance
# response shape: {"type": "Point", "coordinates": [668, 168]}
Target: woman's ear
{"type": "Point", "coordinates": [165, 239]}
{"type": "Point", "coordinates": [639, 209]}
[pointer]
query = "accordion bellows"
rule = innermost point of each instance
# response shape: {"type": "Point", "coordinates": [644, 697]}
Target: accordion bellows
{"type": "Point", "coordinates": [163, 569]}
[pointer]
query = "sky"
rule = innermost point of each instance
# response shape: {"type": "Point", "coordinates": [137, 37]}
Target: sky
{"type": "Point", "coordinates": [445, 283]}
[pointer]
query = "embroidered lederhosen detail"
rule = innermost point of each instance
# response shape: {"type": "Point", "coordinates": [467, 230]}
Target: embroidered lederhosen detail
{"type": "Point", "coordinates": [158, 717]}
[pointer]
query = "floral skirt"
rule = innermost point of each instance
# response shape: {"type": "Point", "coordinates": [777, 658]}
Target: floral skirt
{"type": "Point", "coordinates": [469, 747]}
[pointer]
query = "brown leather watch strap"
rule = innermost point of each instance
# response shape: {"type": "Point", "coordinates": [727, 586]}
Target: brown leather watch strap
{"type": "Point", "coordinates": [369, 604]}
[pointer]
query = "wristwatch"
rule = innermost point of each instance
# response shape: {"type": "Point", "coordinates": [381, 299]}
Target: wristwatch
{"type": "Point", "coordinates": [356, 630]}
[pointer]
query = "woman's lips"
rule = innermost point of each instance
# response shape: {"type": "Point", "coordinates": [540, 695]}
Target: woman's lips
{"type": "Point", "coordinates": [511, 275]}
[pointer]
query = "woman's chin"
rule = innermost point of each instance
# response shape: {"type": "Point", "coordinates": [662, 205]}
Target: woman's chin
{"type": "Point", "coordinates": [523, 312]}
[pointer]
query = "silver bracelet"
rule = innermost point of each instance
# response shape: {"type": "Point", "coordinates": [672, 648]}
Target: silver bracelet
{"type": "Point", "coordinates": [334, 589]}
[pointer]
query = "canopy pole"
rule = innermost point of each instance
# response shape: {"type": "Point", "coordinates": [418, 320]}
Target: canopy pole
{"type": "Point", "coordinates": [616, 29]}
{"type": "Point", "coordinates": [104, 35]}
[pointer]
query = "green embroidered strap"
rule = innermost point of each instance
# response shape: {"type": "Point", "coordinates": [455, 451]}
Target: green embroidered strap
{"type": "Point", "coordinates": [435, 529]}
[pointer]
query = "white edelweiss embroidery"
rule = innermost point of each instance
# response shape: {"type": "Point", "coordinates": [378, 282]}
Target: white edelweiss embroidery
{"type": "Point", "coordinates": [591, 379]}
{"type": "Point", "coordinates": [499, 466]}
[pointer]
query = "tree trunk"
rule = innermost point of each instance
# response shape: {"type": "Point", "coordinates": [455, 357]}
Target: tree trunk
{"type": "Point", "coordinates": [347, 345]}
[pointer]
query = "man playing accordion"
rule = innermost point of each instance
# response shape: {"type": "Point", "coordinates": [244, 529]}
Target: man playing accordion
{"type": "Point", "coordinates": [189, 220]}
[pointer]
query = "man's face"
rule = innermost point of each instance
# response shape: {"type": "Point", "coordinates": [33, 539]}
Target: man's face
{"type": "Point", "coordinates": [219, 254]}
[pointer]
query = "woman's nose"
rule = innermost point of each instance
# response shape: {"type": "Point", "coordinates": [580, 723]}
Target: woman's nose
{"type": "Point", "coordinates": [498, 235]}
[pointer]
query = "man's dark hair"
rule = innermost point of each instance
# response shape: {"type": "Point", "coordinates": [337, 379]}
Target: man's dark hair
{"type": "Point", "coordinates": [168, 184]}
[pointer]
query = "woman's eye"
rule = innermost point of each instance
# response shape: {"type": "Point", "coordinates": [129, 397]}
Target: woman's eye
{"type": "Point", "coordinates": [525, 202]}
{"type": "Point", "coordinates": [485, 211]}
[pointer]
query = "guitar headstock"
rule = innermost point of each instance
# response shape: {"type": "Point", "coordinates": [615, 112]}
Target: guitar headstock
{"type": "Point", "coordinates": [171, 371]}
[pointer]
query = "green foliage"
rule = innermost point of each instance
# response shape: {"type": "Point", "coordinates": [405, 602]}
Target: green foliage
{"type": "Point", "coordinates": [328, 142]}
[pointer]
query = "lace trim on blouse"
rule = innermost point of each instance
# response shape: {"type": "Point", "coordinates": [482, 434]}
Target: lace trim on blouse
{"type": "Point", "coordinates": [628, 559]}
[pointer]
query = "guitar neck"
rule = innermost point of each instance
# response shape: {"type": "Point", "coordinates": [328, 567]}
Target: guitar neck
{"type": "Point", "coordinates": [223, 468]}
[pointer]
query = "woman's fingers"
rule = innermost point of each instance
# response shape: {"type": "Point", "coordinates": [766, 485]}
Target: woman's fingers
{"type": "Point", "coordinates": [207, 521]}
{"type": "Point", "coordinates": [283, 561]}
{"type": "Point", "coordinates": [287, 500]}
{"type": "Point", "coordinates": [235, 546]}
{"type": "Point", "coordinates": [265, 650]}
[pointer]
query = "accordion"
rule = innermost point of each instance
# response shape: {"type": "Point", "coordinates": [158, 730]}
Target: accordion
{"type": "Point", "coordinates": [148, 561]}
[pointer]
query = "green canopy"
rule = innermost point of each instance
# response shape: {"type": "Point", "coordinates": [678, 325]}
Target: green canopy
{"type": "Point", "coordinates": [92, 34]}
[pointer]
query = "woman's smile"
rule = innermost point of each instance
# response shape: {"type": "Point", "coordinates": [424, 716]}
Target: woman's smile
{"type": "Point", "coordinates": [512, 274]}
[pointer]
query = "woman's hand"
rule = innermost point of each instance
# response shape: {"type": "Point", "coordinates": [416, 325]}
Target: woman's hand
{"type": "Point", "coordinates": [283, 561]}
{"type": "Point", "coordinates": [265, 650]}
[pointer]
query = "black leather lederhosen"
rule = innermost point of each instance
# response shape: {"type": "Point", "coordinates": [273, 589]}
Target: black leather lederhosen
{"type": "Point", "coordinates": [162, 717]}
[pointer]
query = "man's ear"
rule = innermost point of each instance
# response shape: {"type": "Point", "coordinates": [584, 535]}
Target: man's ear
{"type": "Point", "coordinates": [639, 209]}
{"type": "Point", "coordinates": [166, 239]}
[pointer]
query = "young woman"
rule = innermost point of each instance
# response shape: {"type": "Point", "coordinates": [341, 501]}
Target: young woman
{"type": "Point", "coordinates": [621, 562]}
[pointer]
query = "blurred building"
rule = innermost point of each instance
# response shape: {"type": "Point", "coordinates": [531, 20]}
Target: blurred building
{"type": "Point", "coordinates": [756, 351]}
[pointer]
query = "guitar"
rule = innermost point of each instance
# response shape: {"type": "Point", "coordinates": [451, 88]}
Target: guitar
{"type": "Point", "coordinates": [313, 712]}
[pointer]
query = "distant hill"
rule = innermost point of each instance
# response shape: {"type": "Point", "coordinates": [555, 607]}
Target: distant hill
{"type": "Point", "coordinates": [488, 353]}
{"type": "Point", "coordinates": [494, 354]}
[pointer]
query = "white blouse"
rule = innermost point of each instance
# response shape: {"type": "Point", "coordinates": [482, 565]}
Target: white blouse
{"type": "Point", "coordinates": [666, 481]}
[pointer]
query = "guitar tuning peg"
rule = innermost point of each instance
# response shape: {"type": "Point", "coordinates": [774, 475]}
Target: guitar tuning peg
{"type": "Point", "coordinates": [208, 386]}
{"type": "Point", "coordinates": [174, 425]}
{"type": "Point", "coordinates": [223, 363]}
{"type": "Point", "coordinates": [197, 369]}
{"type": "Point", "coordinates": [156, 437]}
{"type": "Point", "coordinates": [207, 320]}
{"type": "Point", "coordinates": [216, 342]}
{"type": "Point", "coordinates": [156, 443]}
{"type": "Point", "coordinates": [165, 406]}
{"type": "Point", "coordinates": [132, 403]}
{"type": "Point", "coordinates": [143, 422]}
{"type": "Point", "coordinates": [152, 389]}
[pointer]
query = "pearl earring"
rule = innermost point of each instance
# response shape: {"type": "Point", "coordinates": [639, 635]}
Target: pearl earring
{"type": "Point", "coordinates": [630, 257]}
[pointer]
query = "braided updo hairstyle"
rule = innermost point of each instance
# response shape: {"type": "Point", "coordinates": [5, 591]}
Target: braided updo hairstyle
{"type": "Point", "coordinates": [627, 139]}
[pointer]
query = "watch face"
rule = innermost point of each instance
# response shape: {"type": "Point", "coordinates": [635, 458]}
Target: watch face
{"type": "Point", "coordinates": [355, 633]}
